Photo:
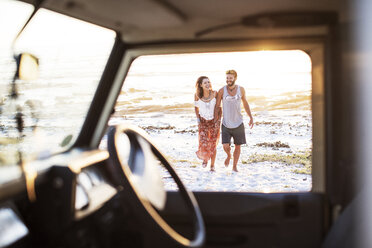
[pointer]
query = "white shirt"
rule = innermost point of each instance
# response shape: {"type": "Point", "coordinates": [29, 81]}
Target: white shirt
{"type": "Point", "coordinates": [232, 113]}
{"type": "Point", "coordinates": [206, 109]}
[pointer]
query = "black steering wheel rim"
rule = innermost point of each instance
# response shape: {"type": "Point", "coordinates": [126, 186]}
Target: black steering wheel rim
{"type": "Point", "coordinates": [124, 179]}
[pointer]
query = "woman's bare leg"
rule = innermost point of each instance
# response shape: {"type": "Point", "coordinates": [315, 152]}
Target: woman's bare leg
{"type": "Point", "coordinates": [213, 159]}
{"type": "Point", "coordinates": [205, 162]}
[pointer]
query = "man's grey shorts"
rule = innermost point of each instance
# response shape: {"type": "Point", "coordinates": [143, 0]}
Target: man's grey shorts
{"type": "Point", "coordinates": [237, 133]}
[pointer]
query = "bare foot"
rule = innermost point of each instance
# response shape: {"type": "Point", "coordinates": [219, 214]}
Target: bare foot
{"type": "Point", "coordinates": [227, 160]}
{"type": "Point", "coordinates": [212, 168]}
{"type": "Point", "coordinates": [204, 164]}
{"type": "Point", "coordinates": [235, 169]}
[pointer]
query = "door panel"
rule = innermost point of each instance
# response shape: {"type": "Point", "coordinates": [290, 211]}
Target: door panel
{"type": "Point", "coordinates": [253, 219]}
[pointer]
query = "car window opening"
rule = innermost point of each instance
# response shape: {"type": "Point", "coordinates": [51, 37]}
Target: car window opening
{"type": "Point", "coordinates": [158, 96]}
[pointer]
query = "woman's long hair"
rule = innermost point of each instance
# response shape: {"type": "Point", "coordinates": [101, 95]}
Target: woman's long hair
{"type": "Point", "coordinates": [199, 88]}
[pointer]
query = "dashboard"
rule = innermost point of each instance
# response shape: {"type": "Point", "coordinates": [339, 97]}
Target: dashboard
{"type": "Point", "coordinates": [75, 203]}
{"type": "Point", "coordinates": [12, 228]}
{"type": "Point", "coordinates": [93, 189]}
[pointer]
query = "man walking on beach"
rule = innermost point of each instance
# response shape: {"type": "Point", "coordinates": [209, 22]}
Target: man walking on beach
{"type": "Point", "coordinates": [232, 122]}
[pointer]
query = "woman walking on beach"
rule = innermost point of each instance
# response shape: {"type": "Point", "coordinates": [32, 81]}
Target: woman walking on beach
{"type": "Point", "coordinates": [208, 126]}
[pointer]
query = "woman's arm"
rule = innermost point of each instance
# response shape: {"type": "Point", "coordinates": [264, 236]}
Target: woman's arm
{"type": "Point", "coordinates": [197, 109]}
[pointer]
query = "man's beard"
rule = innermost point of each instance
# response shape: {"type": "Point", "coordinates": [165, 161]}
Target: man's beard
{"type": "Point", "coordinates": [231, 83]}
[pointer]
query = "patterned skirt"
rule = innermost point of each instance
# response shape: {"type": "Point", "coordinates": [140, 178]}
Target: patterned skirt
{"type": "Point", "coordinates": [209, 133]}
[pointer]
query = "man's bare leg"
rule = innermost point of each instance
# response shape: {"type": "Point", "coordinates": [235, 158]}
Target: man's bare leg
{"type": "Point", "coordinates": [227, 149]}
{"type": "Point", "coordinates": [236, 157]}
{"type": "Point", "coordinates": [213, 159]}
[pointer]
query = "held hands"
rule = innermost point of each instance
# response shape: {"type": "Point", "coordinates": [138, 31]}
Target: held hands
{"type": "Point", "coordinates": [217, 115]}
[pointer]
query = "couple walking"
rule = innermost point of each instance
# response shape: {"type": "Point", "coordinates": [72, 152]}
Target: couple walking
{"type": "Point", "coordinates": [208, 113]}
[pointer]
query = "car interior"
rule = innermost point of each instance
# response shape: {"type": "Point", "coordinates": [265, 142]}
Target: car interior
{"type": "Point", "coordinates": [102, 188]}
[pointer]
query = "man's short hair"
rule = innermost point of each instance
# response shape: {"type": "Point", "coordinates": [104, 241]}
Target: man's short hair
{"type": "Point", "coordinates": [232, 72]}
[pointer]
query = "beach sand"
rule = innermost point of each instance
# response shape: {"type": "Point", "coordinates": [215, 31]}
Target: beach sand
{"type": "Point", "coordinates": [262, 167]}
{"type": "Point", "coordinates": [252, 177]}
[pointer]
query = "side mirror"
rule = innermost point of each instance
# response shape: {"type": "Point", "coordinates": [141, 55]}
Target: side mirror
{"type": "Point", "coordinates": [27, 67]}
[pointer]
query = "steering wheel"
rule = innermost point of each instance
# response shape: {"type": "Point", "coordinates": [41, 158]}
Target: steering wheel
{"type": "Point", "coordinates": [134, 166]}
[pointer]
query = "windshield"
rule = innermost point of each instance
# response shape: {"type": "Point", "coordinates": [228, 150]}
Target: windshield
{"type": "Point", "coordinates": [72, 55]}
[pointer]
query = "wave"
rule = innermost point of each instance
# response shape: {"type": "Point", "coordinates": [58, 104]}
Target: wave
{"type": "Point", "coordinates": [131, 90]}
{"type": "Point", "coordinates": [169, 109]}
{"type": "Point", "coordinates": [285, 101]}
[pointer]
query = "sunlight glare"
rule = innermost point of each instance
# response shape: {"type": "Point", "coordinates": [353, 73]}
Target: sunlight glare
{"type": "Point", "coordinates": [270, 70]}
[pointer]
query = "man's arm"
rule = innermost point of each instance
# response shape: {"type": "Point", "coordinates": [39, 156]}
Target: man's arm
{"type": "Point", "coordinates": [218, 104]}
{"type": "Point", "coordinates": [246, 106]}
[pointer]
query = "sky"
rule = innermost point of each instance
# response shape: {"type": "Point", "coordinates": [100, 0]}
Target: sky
{"type": "Point", "coordinates": [271, 70]}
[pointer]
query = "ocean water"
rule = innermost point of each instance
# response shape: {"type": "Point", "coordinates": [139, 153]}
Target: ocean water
{"type": "Point", "coordinates": [169, 81]}
{"type": "Point", "coordinates": [161, 89]}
